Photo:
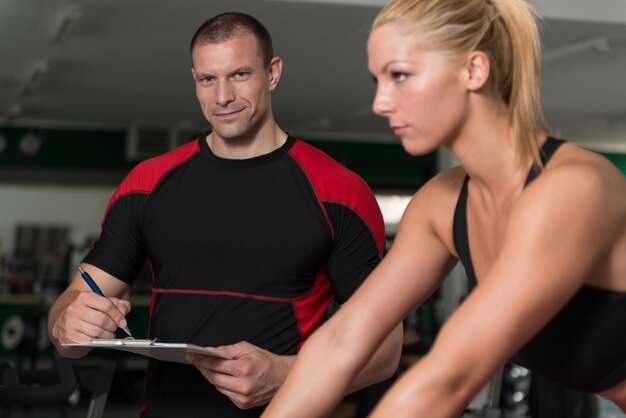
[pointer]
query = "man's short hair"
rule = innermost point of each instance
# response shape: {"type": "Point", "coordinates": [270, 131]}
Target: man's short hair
{"type": "Point", "coordinates": [224, 26]}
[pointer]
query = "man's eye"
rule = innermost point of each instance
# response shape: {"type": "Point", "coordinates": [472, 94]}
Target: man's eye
{"type": "Point", "coordinates": [241, 74]}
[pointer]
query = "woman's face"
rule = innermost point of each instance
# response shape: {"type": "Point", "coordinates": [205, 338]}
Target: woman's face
{"type": "Point", "coordinates": [419, 90]}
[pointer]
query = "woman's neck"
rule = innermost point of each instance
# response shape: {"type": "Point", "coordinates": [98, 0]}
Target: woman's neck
{"type": "Point", "coordinates": [487, 151]}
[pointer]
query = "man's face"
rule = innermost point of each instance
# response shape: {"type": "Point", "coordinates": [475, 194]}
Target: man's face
{"type": "Point", "coordinates": [233, 85]}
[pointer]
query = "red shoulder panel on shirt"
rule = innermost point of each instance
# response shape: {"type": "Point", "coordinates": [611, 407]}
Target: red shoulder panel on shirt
{"type": "Point", "coordinates": [332, 182]}
{"type": "Point", "coordinates": [146, 175]}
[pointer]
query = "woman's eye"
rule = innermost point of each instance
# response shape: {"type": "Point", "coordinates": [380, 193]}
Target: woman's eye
{"type": "Point", "coordinates": [398, 76]}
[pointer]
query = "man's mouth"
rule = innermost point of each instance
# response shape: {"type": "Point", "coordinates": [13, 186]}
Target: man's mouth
{"type": "Point", "coordinates": [228, 115]}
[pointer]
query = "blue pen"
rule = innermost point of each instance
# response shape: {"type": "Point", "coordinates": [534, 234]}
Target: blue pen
{"type": "Point", "coordinates": [92, 284]}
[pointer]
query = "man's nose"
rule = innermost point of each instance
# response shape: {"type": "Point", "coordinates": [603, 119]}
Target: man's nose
{"type": "Point", "coordinates": [225, 93]}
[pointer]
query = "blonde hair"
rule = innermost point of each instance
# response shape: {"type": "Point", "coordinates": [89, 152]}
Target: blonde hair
{"type": "Point", "coordinates": [506, 30]}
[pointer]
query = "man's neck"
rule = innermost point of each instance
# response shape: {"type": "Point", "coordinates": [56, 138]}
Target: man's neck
{"type": "Point", "coordinates": [260, 143]}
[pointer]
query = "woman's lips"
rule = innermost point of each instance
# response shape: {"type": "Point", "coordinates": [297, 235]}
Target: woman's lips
{"type": "Point", "coordinates": [398, 130]}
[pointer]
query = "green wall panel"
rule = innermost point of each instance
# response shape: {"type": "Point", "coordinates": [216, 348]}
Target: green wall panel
{"type": "Point", "coordinates": [76, 152]}
{"type": "Point", "coordinates": [66, 149]}
{"type": "Point", "coordinates": [619, 160]}
{"type": "Point", "coordinates": [381, 165]}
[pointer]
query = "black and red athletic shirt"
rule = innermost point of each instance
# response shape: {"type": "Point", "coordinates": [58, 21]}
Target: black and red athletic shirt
{"type": "Point", "coordinates": [239, 250]}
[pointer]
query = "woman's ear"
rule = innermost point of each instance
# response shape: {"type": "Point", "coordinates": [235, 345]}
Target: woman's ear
{"type": "Point", "coordinates": [477, 67]}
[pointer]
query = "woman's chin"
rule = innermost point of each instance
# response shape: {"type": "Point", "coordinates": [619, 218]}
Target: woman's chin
{"type": "Point", "coordinates": [416, 148]}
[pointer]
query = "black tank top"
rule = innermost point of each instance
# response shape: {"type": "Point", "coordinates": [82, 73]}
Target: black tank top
{"type": "Point", "coordinates": [584, 345]}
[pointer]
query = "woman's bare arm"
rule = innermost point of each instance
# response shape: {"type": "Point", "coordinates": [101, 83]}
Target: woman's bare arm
{"type": "Point", "coordinates": [560, 229]}
{"type": "Point", "coordinates": [334, 355]}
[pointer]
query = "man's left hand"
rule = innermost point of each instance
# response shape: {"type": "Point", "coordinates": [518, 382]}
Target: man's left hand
{"type": "Point", "coordinates": [251, 378]}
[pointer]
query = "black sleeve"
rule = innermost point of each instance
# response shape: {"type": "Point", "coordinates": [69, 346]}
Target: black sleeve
{"type": "Point", "coordinates": [356, 251]}
{"type": "Point", "coordinates": [119, 249]}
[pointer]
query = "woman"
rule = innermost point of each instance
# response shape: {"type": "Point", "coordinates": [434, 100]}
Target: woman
{"type": "Point", "coordinates": [545, 221]}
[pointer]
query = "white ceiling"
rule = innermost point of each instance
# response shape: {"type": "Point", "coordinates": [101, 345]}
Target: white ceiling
{"type": "Point", "coordinates": [125, 62]}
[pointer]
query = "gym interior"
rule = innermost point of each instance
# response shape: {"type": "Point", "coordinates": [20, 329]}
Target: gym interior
{"type": "Point", "coordinates": [88, 89]}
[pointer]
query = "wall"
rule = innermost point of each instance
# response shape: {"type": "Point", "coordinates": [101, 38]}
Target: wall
{"type": "Point", "coordinates": [79, 207]}
{"type": "Point", "coordinates": [618, 159]}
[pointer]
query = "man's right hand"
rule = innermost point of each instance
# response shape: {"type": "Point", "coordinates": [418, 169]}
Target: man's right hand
{"type": "Point", "coordinates": [90, 316]}
{"type": "Point", "coordinates": [80, 315]}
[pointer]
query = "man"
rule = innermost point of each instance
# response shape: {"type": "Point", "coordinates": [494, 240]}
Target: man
{"type": "Point", "coordinates": [249, 234]}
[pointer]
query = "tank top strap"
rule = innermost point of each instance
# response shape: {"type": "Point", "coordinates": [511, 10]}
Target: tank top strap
{"type": "Point", "coordinates": [547, 150]}
{"type": "Point", "coordinates": [459, 223]}
{"type": "Point", "coordinates": [459, 231]}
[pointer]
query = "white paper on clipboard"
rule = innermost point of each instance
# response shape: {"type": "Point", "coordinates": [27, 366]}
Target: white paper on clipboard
{"type": "Point", "coordinates": [174, 352]}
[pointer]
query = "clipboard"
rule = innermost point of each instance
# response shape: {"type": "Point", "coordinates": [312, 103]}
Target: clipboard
{"type": "Point", "coordinates": [174, 352]}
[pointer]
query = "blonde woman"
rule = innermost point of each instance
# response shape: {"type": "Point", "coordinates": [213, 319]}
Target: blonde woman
{"type": "Point", "coordinates": [539, 223]}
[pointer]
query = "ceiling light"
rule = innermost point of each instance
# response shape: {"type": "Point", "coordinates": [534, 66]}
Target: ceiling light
{"type": "Point", "coordinates": [38, 69]}
{"type": "Point", "coordinates": [63, 24]}
{"type": "Point", "coordinates": [596, 43]}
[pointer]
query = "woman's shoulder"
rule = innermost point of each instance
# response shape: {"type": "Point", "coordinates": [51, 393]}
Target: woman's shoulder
{"type": "Point", "coordinates": [444, 185]}
{"type": "Point", "coordinates": [576, 186]}
{"type": "Point", "coordinates": [577, 167]}
{"type": "Point", "coordinates": [580, 198]}
{"type": "Point", "coordinates": [435, 202]}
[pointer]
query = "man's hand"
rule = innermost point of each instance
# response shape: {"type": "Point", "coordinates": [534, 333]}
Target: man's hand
{"type": "Point", "coordinates": [251, 379]}
{"type": "Point", "coordinates": [89, 316]}
{"type": "Point", "coordinates": [79, 314]}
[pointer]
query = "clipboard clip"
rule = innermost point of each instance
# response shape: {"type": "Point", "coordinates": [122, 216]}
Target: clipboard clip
{"type": "Point", "coordinates": [128, 342]}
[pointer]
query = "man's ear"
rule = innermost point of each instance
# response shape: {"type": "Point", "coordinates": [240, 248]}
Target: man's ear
{"type": "Point", "coordinates": [477, 67]}
{"type": "Point", "coordinates": [274, 71]}
{"type": "Point", "coordinates": [193, 74]}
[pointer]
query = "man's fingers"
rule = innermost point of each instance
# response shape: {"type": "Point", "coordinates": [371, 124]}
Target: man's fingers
{"type": "Point", "coordinates": [236, 350]}
{"type": "Point", "coordinates": [101, 321]}
{"type": "Point", "coordinates": [237, 390]}
{"type": "Point", "coordinates": [121, 304]}
{"type": "Point", "coordinates": [115, 308]}
{"type": "Point", "coordinates": [80, 330]}
{"type": "Point", "coordinates": [222, 380]}
{"type": "Point", "coordinates": [214, 364]}
{"type": "Point", "coordinates": [88, 332]}
{"type": "Point", "coordinates": [99, 311]}
{"type": "Point", "coordinates": [241, 380]}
